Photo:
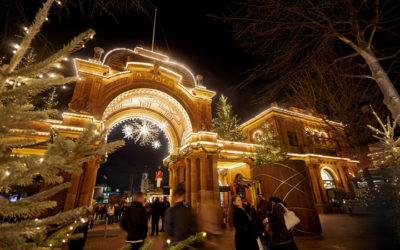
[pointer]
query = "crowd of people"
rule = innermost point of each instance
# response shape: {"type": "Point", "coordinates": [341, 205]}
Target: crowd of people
{"type": "Point", "coordinates": [261, 226]}
{"type": "Point", "coordinates": [109, 213]}
{"type": "Point", "coordinates": [178, 221]}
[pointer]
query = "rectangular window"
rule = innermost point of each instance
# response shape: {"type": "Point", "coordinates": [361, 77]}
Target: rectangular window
{"type": "Point", "coordinates": [292, 139]}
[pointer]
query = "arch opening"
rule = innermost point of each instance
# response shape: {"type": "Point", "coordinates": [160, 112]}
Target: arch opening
{"type": "Point", "coordinates": [152, 105]}
{"type": "Point", "coordinates": [327, 179]}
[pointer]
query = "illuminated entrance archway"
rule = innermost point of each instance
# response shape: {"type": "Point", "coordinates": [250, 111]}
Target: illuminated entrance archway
{"type": "Point", "coordinates": [141, 84]}
{"type": "Point", "coordinates": [152, 105]}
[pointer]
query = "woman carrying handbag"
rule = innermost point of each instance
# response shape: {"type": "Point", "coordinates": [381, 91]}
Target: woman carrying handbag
{"type": "Point", "coordinates": [282, 239]}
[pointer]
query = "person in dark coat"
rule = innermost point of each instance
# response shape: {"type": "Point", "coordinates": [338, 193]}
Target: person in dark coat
{"type": "Point", "coordinates": [134, 221]}
{"type": "Point", "coordinates": [180, 222]}
{"type": "Point", "coordinates": [258, 214]}
{"type": "Point", "coordinates": [282, 239]}
{"type": "Point", "coordinates": [118, 210]}
{"type": "Point", "coordinates": [156, 210]}
{"type": "Point", "coordinates": [246, 206]}
{"type": "Point", "coordinates": [165, 206]}
{"type": "Point", "coordinates": [245, 236]}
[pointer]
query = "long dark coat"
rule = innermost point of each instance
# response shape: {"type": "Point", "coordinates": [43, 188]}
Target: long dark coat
{"type": "Point", "coordinates": [245, 236]}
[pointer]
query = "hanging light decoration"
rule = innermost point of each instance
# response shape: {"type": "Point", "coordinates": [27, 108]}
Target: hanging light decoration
{"type": "Point", "coordinates": [128, 131]}
{"type": "Point", "coordinates": [156, 144]}
{"type": "Point", "coordinates": [144, 133]}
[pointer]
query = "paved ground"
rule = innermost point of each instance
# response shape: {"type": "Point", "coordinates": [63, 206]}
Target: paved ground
{"type": "Point", "coordinates": [340, 232]}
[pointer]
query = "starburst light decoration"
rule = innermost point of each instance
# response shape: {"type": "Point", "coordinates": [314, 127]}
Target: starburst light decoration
{"type": "Point", "coordinates": [144, 133]}
{"type": "Point", "coordinates": [156, 144]}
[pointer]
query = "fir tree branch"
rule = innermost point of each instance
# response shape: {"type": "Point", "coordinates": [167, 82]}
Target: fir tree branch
{"type": "Point", "coordinates": [33, 30]}
{"type": "Point", "coordinates": [50, 62]}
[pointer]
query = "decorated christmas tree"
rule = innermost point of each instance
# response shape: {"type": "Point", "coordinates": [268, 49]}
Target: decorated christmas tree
{"type": "Point", "coordinates": [269, 148]}
{"type": "Point", "coordinates": [26, 223]}
{"type": "Point", "coordinates": [226, 123]}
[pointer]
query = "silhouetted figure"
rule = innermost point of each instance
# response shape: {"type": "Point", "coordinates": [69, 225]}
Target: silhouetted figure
{"type": "Point", "coordinates": [165, 206]}
{"type": "Point", "coordinates": [134, 221]}
{"type": "Point", "coordinates": [180, 222]}
{"type": "Point", "coordinates": [156, 210]}
{"type": "Point", "coordinates": [110, 213]}
{"type": "Point", "coordinates": [118, 210]}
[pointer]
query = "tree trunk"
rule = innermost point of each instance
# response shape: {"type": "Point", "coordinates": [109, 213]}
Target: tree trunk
{"type": "Point", "coordinates": [390, 95]}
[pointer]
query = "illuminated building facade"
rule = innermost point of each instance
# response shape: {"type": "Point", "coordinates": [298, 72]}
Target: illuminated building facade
{"type": "Point", "coordinates": [327, 156]}
{"type": "Point", "coordinates": [141, 84]}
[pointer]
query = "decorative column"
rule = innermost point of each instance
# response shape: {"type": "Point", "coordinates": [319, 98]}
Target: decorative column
{"type": "Point", "coordinates": [175, 180]}
{"type": "Point", "coordinates": [88, 182]}
{"type": "Point", "coordinates": [187, 181]}
{"type": "Point", "coordinates": [214, 168]}
{"type": "Point", "coordinates": [321, 186]}
{"type": "Point", "coordinates": [72, 192]}
{"type": "Point", "coordinates": [177, 174]}
{"type": "Point", "coordinates": [343, 177]}
{"type": "Point", "coordinates": [181, 172]}
{"type": "Point", "coordinates": [194, 178]}
{"type": "Point", "coordinates": [314, 177]}
{"type": "Point", "coordinates": [203, 177]}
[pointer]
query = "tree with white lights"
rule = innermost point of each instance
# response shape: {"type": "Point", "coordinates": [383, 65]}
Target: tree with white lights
{"type": "Point", "coordinates": [270, 148]}
{"type": "Point", "coordinates": [226, 122]}
{"type": "Point", "coordinates": [27, 224]}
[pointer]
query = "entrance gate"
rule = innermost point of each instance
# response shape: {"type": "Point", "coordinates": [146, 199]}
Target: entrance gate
{"type": "Point", "coordinates": [128, 84]}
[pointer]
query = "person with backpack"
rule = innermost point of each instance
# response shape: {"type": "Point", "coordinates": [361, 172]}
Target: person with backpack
{"type": "Point", "coordinates": [282, 239]}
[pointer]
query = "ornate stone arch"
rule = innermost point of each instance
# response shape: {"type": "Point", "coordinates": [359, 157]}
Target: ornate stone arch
{"type": "Point", "coordinates": [152, 105]}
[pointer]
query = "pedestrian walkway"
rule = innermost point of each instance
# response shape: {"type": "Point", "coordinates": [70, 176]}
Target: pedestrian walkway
{"type": "Point", "coordinates": [340, 232]}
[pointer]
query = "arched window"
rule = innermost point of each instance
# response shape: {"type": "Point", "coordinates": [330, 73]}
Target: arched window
{"type": "Point", "coordinates": [327, 178]}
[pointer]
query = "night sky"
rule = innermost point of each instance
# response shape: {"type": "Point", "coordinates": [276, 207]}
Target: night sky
{"type": "Point", "coordinates": [187, 34]}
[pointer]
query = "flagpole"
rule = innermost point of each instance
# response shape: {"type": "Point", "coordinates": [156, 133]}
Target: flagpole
{"type": "Point", "coordinates": [154, 29]}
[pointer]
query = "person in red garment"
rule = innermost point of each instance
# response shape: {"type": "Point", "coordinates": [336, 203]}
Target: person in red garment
{"type": "Point", "coordinates": [159, 176]}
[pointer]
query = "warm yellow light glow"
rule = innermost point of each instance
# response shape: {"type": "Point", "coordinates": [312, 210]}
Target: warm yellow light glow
{"type": "Point", "coordinates": [235, 165]}
{"type": "Point", "coordinates": [323, 156]}
{"type": "Point", "coordinates": [67, 127]}
{"type": "Point", "coordinates": [331, 171]}
{"type": "Point", "coordinates": [287, 112]}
